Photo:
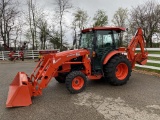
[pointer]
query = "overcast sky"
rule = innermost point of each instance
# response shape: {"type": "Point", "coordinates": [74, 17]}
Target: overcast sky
{"type": "Point", "coordinates": [91, 6]}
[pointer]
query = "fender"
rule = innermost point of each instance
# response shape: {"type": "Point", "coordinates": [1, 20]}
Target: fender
{"type": "Point", "coordinates": [107, 58]}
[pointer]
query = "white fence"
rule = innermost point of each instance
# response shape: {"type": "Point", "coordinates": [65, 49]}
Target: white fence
{"type": "Point", "coordinates": [28, 54]}
{"type": "Point", "coordinates": [33, 54]}
{"type": "Point", "coordinates": [156, 62]}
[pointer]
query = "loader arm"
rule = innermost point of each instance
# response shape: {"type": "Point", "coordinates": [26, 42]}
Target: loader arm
{"type": "Point", "coordinates": [24, 87]}
{"type": "Point", "coordinates": [48, 66]}
{"type": "Point", "coordinates": [140, 58]}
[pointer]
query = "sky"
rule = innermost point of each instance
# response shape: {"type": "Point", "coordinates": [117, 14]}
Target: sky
{"type": "Point", "coordinates": [91, 6]}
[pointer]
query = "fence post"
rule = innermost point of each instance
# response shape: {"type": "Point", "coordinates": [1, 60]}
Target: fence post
{"type": "Point", "coordinates": [3, 55]}
{"type": "Point", "coordinates": [32, 54]}
{"type": "Point", "coordinates": [18, 54]}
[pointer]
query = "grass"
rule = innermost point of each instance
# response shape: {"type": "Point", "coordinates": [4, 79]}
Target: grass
{"type": "Point", "coordinates": [151, 52]}
{"type": "Point", "coordinates": [154, 52]}
{"type": "Point", "coordinates": [151, 64]}
{"type": "Point", "coordinates": [148, 70]}
{"type": "Point", "coordinates": [154, 58]}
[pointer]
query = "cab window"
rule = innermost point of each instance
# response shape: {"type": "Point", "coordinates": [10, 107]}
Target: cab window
{"type": "Point", "coordinates": [104, 38]}
{"type": "Point", "coordinates": [116, 38]}
{"type": "Point", "coordinates": [86, 40]}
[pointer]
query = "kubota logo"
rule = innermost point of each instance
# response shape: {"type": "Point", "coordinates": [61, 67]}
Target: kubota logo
{"type": "Point", "coordinates": [70, 55]}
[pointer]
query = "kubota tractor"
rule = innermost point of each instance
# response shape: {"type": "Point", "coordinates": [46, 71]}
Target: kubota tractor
{"type": "Point", "coordinates": [99, 56]}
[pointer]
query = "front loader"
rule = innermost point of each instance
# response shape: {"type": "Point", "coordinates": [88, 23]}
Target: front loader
{"type": "Point", "coordinates": [99, 56]}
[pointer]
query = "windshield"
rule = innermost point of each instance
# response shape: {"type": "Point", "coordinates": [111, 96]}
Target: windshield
{"type": "Point", "coordinates": [104, 38]}
{"type": "Point", "coordinates": [107, 38]}
{"type": "Point", "coordinates": [86, 40]}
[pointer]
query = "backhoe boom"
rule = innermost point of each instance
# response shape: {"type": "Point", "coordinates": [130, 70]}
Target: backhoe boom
{"type": "Point", "coordinates": [140, 58]}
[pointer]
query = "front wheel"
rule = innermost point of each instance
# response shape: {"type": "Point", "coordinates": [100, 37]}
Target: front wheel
{"type": "Point", "coordinates": [76, 82]}
{"type": "Point", "coordinates": [118, 70]}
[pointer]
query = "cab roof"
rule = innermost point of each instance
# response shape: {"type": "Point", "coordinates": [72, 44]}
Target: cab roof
{"type": "Point", "coordinates": [104, 28]}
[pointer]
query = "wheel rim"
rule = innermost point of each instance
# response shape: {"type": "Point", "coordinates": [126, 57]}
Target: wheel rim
{"type": "Point", "coordinates": [121, 71]}
{"type": "Point", "coordinates": [77, 83]}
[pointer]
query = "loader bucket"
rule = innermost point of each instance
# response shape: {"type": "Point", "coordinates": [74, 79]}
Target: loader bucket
{"type": "Point", "coordinates": [19, 91]}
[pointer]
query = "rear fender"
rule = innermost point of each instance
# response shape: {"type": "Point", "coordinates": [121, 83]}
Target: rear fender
{"type": "Point", "coordinates": [110, 55]}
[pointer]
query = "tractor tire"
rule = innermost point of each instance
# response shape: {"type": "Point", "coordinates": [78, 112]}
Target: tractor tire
{"type": "Point", "coordinates": [76, 82]}
{"type": "Point", "coordinates": [118, 70]}
{"type": "Point", "coordinates": [60, 78]}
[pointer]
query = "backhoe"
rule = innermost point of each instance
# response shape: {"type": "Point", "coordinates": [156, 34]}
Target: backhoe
{"type": "Point", "coordinates": [99, 56]}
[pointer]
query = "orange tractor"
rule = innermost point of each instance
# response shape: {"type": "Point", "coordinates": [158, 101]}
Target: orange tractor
{"type": "Point", "coordinates": [99, 56]}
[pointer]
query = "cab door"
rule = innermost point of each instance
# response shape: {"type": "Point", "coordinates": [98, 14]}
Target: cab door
{"type": "Point", "coordinates": [104, 43]}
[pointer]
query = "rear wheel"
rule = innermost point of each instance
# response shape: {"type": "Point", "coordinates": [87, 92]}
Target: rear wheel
{"type": "Point", "coordinates": [76, 82]}
{"type": "Point", "coordinates": [118, 70]}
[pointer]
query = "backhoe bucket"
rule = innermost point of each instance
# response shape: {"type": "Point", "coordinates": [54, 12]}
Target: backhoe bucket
{"type": "Point", "coordinates": [141, 60]}
{"type": "Point", "coordinates": [19, 91]}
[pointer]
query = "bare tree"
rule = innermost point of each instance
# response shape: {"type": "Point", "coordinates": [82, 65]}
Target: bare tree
{"type": "Point", "coordinates": [17, 33]}
{"type": "Point", "coordinates": [33, 17]}
{"type": "Point", "coordinates": [55, 40]}
{"type": "Point", "coordinates": [120, 20]}
{"type": "Point", "coordinates": [74, 27]}
{"type": "Point", "coordinates": [32, 24]}
{"type": "Point", "coordinates": [44, 32]}
{"type": "Point", "coordinates": [8, 14]}
{"type": "Point", "coordinates": [81, 18]}
{"type": "Point", "coordinates": [146, 16]}
{"type": "Point", "coordinates": [79, 22]}
{"type": "Point", "coordinates": [100, 18]}
{"type": "Point", "coordinates": [62, 6]}
{"type": "Point", "coordinates": [120, 17]}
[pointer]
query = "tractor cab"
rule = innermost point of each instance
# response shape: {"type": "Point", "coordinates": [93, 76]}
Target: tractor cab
{"type": "Point", "coordinates": [100, 41]}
